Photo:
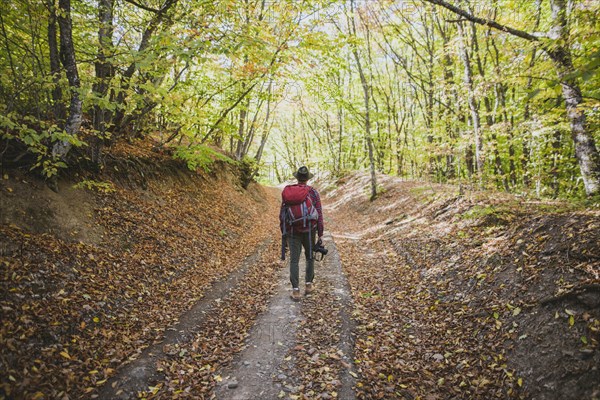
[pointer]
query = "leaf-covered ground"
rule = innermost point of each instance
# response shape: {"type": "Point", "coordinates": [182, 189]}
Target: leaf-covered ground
{"type": "Point", "coordinates": [73, 311]}
{"type": "Point", "coordinates": [469, 296]}
{"type": "Point", "coordinates": [427, 294]}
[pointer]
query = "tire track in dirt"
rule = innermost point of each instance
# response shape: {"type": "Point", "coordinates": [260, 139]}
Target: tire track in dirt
{"type": "Point", "coordinates": [252, 374]}
{"type": "Point", "coordinates": [284, 350]}
{"type": "Point", "coordinates": [334, 272]}
{"type": "Point", "coordinates": [141, 372]}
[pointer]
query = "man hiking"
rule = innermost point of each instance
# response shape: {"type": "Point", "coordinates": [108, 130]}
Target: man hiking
{"type": "Point", "coordinates": [301, 219]}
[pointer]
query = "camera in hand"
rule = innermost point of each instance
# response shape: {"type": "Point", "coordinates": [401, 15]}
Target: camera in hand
{"type": "Point", "coordinates": [320, 249]}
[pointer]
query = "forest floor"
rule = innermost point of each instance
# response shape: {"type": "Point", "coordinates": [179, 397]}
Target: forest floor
{"type": "Point", "coordinates": [167, 284]}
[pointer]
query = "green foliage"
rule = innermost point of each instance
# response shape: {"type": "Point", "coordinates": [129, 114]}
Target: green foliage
{"type": "Point", "coordinates": [230, 73]}
{"type": "Point", "coordinates": [37, 137]}
{"type": "Point", "coordinates": [100, 187]}
{"type": "Point", "coordinates": [477, 212]}
{"type": "Point", "coordinates": [200, 157]}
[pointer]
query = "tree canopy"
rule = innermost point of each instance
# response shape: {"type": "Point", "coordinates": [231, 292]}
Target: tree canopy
{"type": "Point", "coordinates": [502, 93]}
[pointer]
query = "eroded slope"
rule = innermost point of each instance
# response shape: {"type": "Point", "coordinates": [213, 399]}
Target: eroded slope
{"type": "Point", "coordinates": [469, 296]}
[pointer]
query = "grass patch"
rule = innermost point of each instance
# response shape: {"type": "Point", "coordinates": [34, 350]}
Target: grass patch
{"type": "Point", "coordinates": [423, 194]}
{"type": "Point", "coordinates": [478, 212]}
{"type": "Point", "coordinates": [100, 187]}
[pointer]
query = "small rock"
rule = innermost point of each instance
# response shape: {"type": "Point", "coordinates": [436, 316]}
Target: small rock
{"type": "Point", "coordinates": [246, 363]}
{"type": "Point", "coordinates": [282, 377]}
{"type": "Point", "coordinates": [232, 385]}
{"type": "Point", "coordinates": [438, 357]}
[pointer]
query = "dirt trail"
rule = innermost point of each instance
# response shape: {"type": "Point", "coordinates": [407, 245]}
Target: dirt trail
{"type": "Point", "coordinates": [267, 368]}
{"type": "Point", "coordinates": [288, 344]}
{"type": "Point", "coordinates": [142, 371]}
{"type": "Point", "coordinates": [251, 375]}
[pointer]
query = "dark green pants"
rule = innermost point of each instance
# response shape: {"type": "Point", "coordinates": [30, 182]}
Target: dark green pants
{"type": "Point", "coordinates": [296, 242]}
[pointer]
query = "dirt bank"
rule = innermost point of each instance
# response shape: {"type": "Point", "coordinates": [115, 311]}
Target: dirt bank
{"type": "Point", "coordinates": [474, 295]}
{"type": "Point", "coordinates": [93, 275]}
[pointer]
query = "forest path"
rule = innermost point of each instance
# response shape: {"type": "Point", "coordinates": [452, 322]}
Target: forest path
{"type": "Point", "coordinates": [142, 372]}
{"type": "Point", "coordinates": [283, 349]}
{"type": "Point", "coordinates": [273, 364]}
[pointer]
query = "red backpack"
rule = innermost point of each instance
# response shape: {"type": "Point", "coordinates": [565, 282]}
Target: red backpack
{"type": "Point", "coordinates": [300, 212]}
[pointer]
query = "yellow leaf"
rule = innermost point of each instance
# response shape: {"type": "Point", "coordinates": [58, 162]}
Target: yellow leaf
{"type": "Point", "coordinates": [571, 320]}
{"type": "Point", "coordinates": [65, 355]}
{"type": "Point", "coordinates": [96, 319]}
{"type": "Point", "coordinates": [516, 311]}
{"type": "Point", "coordinates": [520, 381]}
{"type": "Point", "coordinates": [155, 389]}
{"type": "Point", "coordinates": [584, 340]}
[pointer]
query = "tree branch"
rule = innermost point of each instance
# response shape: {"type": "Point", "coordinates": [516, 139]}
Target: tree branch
{"type": "Point", "coordinates": [484, 21]}
{"type": "Point", "coordinates": [143, 7]}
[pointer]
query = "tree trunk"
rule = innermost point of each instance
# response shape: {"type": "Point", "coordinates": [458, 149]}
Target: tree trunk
{"type": "Point", "coordinates": [241, 130]}
{"type": "Point", "coordinates": [449, 96]}
{"type": "Point", "coordinates": [468, 79]}
{"type": "Point", "coordinates": [526, 110]}
{"type": "Point", "coordinates": [266, 128]}
{"type": "Point", "coordinates": [57, 104]}
{"type": "Point", "coordinates": [366, 96]}
{"type": "Point", "coordinates": [104, 73]}
{"type": "Point", "coordinates": [67, 55]}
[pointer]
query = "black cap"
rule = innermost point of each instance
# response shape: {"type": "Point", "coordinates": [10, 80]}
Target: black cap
{"type": "Point", "coordinates": [302, 174]}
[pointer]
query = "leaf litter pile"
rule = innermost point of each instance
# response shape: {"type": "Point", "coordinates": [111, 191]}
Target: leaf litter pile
{"type": "Point", "coordinates": [468, 296]}
{"type": "Point", "coordinates": [74, 311]}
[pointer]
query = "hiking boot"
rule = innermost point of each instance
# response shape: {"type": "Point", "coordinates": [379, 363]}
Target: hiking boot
{"type": "Point", "coordinates": [295, 294]}
{"type": "Point", "coordinates": [309, 288]}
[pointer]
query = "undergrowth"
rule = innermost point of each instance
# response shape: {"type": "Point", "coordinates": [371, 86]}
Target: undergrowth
{"type": "Point", "coordinates": [200, 156]}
